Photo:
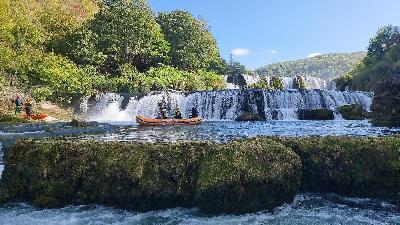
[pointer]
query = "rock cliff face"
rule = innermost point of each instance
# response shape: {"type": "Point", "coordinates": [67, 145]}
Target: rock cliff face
{"type": "Point", "coordinates": [238, 177]}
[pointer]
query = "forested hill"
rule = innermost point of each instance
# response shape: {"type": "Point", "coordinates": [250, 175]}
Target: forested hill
{"type": "Point", "coordinates": [327, 66]}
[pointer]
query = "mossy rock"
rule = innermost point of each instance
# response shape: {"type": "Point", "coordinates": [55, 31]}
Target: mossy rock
{"type": "Point", "coordinates": [353, 112]}
{"type": "Point", "coordinates": [53, 173]}
{"type": "Point", "coordinates": [248, 176]}
{"type": "Point", "coordinates": [78, 123]}
{"type": "Point", "coordinates": [315, 114]}
{"type": "Point", "coordinates": [352, 166]}
{"type": "Point", "coordinates": [249, 116]}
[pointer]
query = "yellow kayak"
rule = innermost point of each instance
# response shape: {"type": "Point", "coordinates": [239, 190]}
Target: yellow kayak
{"type": "Point", "coordinates": [165, 122]}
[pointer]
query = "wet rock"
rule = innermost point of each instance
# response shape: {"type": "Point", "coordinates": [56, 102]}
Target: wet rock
{"type": "Point", "coordinates": [351, 166]}
{"type": "Point", "coordinates": [315, 114]}
{"type": "Point", "coordinates": [148, 176]}
{"type": "Point", "coordinates": [248, 116]}
{"type": "Point", "coordinates": [248, 176]}
{"type": "Point", "coordinates": [78, 123]}
{"type": "Point", "coordinates": [353, 112]}
{"type": "Point", "coordinates": [238, 177]}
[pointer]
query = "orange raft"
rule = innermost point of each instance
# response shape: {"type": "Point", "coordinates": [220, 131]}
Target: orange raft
{"type": "Point", "coordinates": [35, 116]}
{"type": "Point", "coordinates": [167, 122]}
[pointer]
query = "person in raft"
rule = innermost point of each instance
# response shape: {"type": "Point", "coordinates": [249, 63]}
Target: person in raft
{"type": "Point", "coordinates": [195, 113]}
{"type": "Point", "coordinates": [162, 111]}
{"type": "Point", "coordinates": [18, 105]}
{"type": "Point", "coordinates": [177, 114]}
{"type": "Point", "coordinates": [28, 107]}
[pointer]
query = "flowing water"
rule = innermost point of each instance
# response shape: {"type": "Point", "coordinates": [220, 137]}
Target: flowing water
{"type": "Point", "coordinates": [305, 209]}
{"type": "Point", "coordinates": [221, 105]}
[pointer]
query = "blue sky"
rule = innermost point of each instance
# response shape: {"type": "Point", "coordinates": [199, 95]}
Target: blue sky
{"type": "Point", "coordinates": [261, 32]}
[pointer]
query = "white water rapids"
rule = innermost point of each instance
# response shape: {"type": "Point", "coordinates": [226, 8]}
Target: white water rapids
{"type": "Point", "coordinates": [221, 105]}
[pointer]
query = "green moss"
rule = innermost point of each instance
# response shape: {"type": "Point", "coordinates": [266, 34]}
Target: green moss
{"type": "Point", "coordinates": [353, 112]}
{"type": "Point", "coordinates": [353, 166]}
{"type": "Point", "coordinates": [248, 176]}
{"type": "Point", "coordinates": [242, 176]}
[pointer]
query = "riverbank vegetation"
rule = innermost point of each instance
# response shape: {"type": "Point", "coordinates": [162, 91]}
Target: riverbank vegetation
{"type": "Point", "coordinates": [63, 50]}
{"type": "Point", "coordinates": [237, 177]}
{"type": "Point", "coordinates": [379, 72]}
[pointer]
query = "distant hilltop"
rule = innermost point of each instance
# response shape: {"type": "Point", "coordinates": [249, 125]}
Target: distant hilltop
{"type": "Point", "coordinates": [327, 67]}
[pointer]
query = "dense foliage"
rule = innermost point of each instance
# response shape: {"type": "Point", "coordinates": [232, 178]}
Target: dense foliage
{"type": "Point", "coordinates": [62, 50]}
{"type": "Point", "coordinates": [327, 66]}
{"type": "Point", "coordinates": [379, 72]}
{"type": "Point", "coordinates": [193, 47]}
{"type": "Point", "coordinates": [381, 64]}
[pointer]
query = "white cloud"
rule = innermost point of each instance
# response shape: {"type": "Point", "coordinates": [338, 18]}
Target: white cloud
{"type": "Point", "coordinates": [240, 52]}
{"type": "Point", "coordinates": [272, 51]}
{"type": "Point", "coordinates": [313, 54]}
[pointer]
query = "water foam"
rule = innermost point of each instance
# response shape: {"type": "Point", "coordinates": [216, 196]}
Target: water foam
{"type": "Point", "coordinates": [305, 209]}
{"type": "Point", "coordinates": [223, 105]}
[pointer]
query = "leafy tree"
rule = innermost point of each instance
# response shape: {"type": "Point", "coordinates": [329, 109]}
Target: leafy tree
{"type": "Point", "coordinates": [234, 72]}
{"type": "Point", "coordinates": [127, 32]}
{"type": "Point", "coordinates": [192, 45]}
{"type": "Point", "coordinates": [262, 84]}
{"type": "Point", "coordinates": [382, 62]}
{"type": "Point", "coordinates": [276, 83]}
{"type": "Point", "coordinates": [385, 38]}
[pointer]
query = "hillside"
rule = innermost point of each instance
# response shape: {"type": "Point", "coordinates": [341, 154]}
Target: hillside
{"type": "Point", "coordinates": [327, 66]}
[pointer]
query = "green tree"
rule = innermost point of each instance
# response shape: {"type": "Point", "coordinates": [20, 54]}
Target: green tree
{"type": "Point", "coordinates": [127, 32]}
{"type": "Point", "coordinates": [193, 47]}
{"type": "Point", "coordinates": [276, 83]}
{"type": "Point", "coordinates": [385, 38]}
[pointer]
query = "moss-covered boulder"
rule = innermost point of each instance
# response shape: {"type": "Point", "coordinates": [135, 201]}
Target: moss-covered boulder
{"type": "Point", "coordinates": [386, 104]}
{"type": "Point", "coordinates": [315, 114]}
{"type": "Point", "coordinates": [247, 176]}
{"type": "Point", "coordinates": [352, 166]}
{"type": "Point", "coordinates": [353, 112]}
{"type": "Point", "coordinates": [54, 173]}
{"type": "Point", "coordinates": [128, 175]}
{"type": "Point", "coordinates": [249, 116]}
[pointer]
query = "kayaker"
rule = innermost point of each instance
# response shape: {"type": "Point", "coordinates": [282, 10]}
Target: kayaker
{"type": "Point", "coordinates": [18, 105]}
{"type": "Point", "coordinates": [195, 113]}
{"type": "Point", "coordinates": [162, 111]}
{"type": "Point", "coordinates": [28, 107]}
{"type": "Point", "coordinates": [177, 114]}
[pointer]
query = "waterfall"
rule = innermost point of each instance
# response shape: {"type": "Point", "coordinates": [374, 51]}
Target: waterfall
{"type": "Point", "coordinates": [221, 105]}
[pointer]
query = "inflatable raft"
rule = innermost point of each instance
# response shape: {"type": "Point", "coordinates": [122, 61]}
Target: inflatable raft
{"type": "Point", "coordinates": [165, 122]}
{"type": "Point", "coordinates": [35, 116]}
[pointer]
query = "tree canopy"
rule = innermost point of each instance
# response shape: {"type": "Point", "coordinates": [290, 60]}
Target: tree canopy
{"type": "Point", "coordinates": [61, 50]}
{"type": "Point", "coordinates": [193, 47]}
{"type": "Point", "coordinates": [381, 64]}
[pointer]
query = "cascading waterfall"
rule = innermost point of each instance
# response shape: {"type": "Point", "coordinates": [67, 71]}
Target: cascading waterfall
{"type": "Point", "coordinates": [311, 82]}
{"type": "Point", "coordinates": [222, 105]}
